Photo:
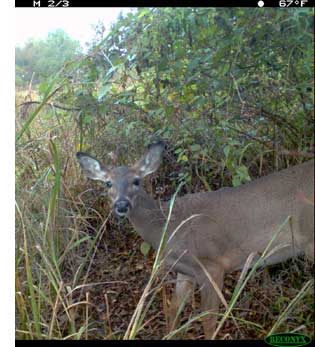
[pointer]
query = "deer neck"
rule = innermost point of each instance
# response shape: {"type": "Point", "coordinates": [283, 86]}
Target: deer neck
{"type": "Point", "coordinates": [147, 218]}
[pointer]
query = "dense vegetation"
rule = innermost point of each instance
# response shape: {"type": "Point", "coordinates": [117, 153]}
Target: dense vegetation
{"type": "Point", "coordinates": [230, 90]}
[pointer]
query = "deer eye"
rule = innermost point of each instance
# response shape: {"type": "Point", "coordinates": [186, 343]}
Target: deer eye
{"type": "Point", "coordinates": [136, 182]}
{"type": "Point", "coordinates": [108, 184]}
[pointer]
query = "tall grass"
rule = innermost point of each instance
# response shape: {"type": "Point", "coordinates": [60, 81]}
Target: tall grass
{"type": "Point", "coordinates": [60, 226]}
{"type": "Point", "coordinates": [139, 313]}
{"type": "Point", "coordinates": [247, 273]}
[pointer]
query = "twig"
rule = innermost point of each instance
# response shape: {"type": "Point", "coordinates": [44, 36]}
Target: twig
{"type": "Point", "coordinates": [280, 120]}
{"type": "Point", "coordinates": [237, 89]}
{"type": "Point", "coordinates": [66, 108]}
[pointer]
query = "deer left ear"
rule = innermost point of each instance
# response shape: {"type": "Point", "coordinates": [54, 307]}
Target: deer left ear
{"type": "Point", "coordinates": [151, 159]}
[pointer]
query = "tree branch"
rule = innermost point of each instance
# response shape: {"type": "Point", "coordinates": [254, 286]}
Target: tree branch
{"type": "Point", "coordinates": [66, 108]}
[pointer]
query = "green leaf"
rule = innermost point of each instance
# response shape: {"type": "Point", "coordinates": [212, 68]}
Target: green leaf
{"type": "Point", "coordinates": [183, 158]}
{"type": "Point", "coordinates": [226, 151]}
{"type": "Point", "coordinates": [195, 148]}
{"type": "Point", "coordinates": [180, 52]}
{"type": "Point", "coordinates": [143, 13]}
{"type": "Point", "coordinates": [242, 172]}
{"type": "Point", "coordinates": [236, 181]}
{"type": "Point", "coordinates": [145, 248]}
{"type": "Point", "coordinates": [43, 87]}
{"type": "Point", "coordinates": [103, 91]}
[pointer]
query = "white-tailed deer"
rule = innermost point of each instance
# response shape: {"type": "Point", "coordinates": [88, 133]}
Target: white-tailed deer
{"type": "Point", "coordinates": [229, 224]}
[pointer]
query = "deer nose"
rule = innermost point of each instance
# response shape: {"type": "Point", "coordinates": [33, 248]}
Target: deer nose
{"type": "Point", "coordinates": [121, 207]}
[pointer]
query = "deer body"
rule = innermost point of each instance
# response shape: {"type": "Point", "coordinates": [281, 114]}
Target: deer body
{"type": "Point", "coordinates": [218, 229]}
{"type": "Point", "coordinates": [229, 233]}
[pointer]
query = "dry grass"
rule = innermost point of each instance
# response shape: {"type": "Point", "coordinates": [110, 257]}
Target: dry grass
{"type": "Point", "coordinates": [80, 275]}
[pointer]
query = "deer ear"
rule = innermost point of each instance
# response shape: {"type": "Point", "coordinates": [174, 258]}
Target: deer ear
{"type": "Point", "coordinates": [151, 159]}
{"type": "Point", "coordinates": [91, 167]}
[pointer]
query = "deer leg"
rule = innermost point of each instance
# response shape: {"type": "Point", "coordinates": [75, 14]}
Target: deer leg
{"type": "Point", "coordinates": [210, 300]}
{"type": "Point", "coordinates": [183, 290]}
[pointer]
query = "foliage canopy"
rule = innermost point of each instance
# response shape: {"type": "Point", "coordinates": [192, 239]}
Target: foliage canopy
{"type": "Point", "coordinates": [212, 81]}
